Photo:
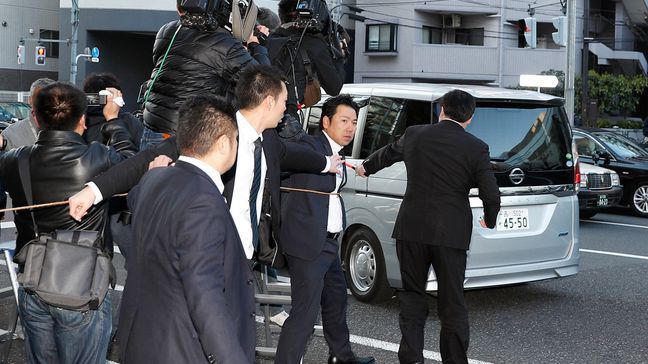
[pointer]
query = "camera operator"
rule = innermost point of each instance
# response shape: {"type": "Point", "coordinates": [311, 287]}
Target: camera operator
{"type": "Point", "coordinates": [203, 57]}
{"type": "Point", "coordinates": [100, 118]}
{"type": "Point", "coordinates": [303, 46]}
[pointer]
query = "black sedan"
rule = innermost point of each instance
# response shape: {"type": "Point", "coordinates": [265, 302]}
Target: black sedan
{"type": "Point", "coordinates": [630, 161]}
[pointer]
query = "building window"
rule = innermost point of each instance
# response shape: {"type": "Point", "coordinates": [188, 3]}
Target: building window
{"type": "Point", "coordinates": [52, 48]}
{"type": "Point", "coordinates": [432, 35]}
{"type": "Point", "coordinates": [381, 38]}
{"type": "Point", "coordinates": [473, 36]}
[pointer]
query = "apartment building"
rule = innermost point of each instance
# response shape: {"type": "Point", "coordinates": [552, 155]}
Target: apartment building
{"type": "Point", "coordinates": [477, 41]}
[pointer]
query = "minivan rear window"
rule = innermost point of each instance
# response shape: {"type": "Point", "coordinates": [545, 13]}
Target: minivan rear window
{"type": "Point", "coordinates": [531, 137]}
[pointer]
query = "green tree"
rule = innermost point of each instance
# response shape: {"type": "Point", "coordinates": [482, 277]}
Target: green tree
{"type": "Point", "coordinates": [615, 94]}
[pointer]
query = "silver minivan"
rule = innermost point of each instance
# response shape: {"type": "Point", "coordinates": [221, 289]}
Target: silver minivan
{"type": "Point", "coordinates": [530, 142]}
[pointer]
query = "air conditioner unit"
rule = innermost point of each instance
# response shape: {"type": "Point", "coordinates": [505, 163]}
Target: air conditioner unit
{"type": "Point", "coordinates": [452, 21]}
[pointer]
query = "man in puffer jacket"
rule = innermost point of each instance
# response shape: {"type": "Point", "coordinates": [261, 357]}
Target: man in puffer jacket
{"type": "Point", "coordinates": [205, 58]}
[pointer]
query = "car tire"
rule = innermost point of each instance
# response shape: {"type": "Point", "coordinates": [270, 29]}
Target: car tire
{"type": "Point", "coordinates": [639, 199]}
{"type": "Point", "coordinates": [588, 214]}
{"type": "Point", "coordinates": [365, 267]}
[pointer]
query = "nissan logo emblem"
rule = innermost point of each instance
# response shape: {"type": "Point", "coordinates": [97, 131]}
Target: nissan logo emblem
{"type": "Point", "coordinates": [516, 176]}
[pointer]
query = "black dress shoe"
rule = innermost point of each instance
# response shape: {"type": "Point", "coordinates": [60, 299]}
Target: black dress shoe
{"type": "Point", "coordinates": [356, 360]}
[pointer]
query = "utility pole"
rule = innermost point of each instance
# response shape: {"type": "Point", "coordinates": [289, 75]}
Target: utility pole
{"type": "Point", "coordinates": [74, 40]}
{"type": "Point", "coordinates": [571, 60]}
{"type": "Point", "coordinates": [585, 117]}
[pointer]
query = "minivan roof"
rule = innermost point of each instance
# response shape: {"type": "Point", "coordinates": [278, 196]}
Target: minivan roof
{"type": "Point", "coordinates": [433, 91]}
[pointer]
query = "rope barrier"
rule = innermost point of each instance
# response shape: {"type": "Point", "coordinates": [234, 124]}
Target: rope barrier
{"type": "Point", "coordinates": [44, 205]}
{"type": "Point", "coordinates": [288, 189]}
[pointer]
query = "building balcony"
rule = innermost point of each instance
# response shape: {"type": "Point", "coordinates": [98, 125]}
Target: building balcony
{"type": "Point", "coordinates": [459, 63]}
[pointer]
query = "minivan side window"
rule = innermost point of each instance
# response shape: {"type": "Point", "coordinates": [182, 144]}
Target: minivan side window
{"type": "Point", "coordinates": [387, 119]}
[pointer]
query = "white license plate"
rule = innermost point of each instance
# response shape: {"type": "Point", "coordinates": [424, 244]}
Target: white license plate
{"type": "Point", "coordinates": [513, 219]}
{"type": "Point", "coordinates": [602, 200]}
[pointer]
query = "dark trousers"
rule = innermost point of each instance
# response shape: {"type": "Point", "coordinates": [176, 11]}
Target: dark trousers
{"type": "Point", "coordinates": [316, 284]}
{"type": "Point", "coordinates": [450, 268]}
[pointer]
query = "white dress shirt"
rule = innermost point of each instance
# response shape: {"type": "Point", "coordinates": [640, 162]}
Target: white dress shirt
{"type": "Point", "coordinates": [209, 170]}
{"type": "Point", "coordinates": [335, 205]}
{"type": "Point", "coordinates": [240, 204]}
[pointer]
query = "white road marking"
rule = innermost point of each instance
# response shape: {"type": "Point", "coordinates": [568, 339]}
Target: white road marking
{"type": "Point", "coordinates": [616, 224]}
{"type": "Point", "coordinates": [614, 254]}
{"type": "Point", "coordinates": [387, 346]}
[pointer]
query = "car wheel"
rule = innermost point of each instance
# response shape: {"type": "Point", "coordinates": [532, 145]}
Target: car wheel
{"type": "Point", "coordinates": [588, 214]}
{"type": "Point", "coordinates": [639, 202]}
{"type": "Point", "coordinates": [365, 268]}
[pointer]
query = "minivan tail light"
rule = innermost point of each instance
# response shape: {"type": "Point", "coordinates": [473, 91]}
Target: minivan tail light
{"type": "Point", "coordinates": [577, 176]}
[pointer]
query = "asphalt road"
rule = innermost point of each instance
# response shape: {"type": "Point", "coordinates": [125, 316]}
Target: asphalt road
{"type": "Point", "coordinates": [597, 316]}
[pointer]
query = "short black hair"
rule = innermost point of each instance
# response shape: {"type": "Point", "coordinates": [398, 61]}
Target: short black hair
{"type": "Point", "coordinates": [255, 83]}
{"type": "Point", "coordinates": [458, 105]}
{"type": "Point", "coordinates": [59, 106]}
{"type": "Point", "coordinates": [268, 18]}
{"type": "Point", "coordinates": [287, 10]}
{"type": "Point", "coordinates": [330, 106]}
{"type": "Point", "coordinates": [96, 82]}
{"type": "Point", "coordinates": [202, 120]}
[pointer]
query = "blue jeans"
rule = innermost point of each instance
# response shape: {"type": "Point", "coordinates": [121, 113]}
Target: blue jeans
{"type": "Point", "coordinates": [150, 138]}
{"type": "Point", "coordinates": [57, 336]}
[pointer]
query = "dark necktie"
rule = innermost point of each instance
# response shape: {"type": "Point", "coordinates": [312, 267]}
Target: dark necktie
{"type": "Point", "coordinates": [344, 171]}
{"type": "Point", "coordinates": [254, 191]}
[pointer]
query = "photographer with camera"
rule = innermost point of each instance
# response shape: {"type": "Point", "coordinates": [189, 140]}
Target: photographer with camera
{"type": "Point", "coordinates": [97, 86]}
{"type": "Point", "coordinates": [306, 46]}
{"type": "Point", "coordinates": [198, 54]}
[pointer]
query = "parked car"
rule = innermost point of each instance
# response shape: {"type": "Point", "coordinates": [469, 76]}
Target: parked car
{"type": "Point", "coordinates": [618, 153]}
{"type": "Point", "coordinates": [19, 110]}
{"type": "Point", "coordinates": [6, 119]}
{"type": "Point", "coordinates": [599, 189]}
{"type": "Point", "coordinates": [531, 152]}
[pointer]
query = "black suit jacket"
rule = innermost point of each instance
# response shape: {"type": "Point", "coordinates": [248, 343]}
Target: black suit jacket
{"type": "Point", "coordinates": [443, 163]}
{"type": "Point", "coordinates": [279, 156]}
{"type": "Point", "coordinates": [189, 296]}
{"type": "Point", "coordinates": [305, 215]}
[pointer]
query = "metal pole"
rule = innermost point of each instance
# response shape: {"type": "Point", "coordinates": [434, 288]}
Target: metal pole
{"type": "Point", "coordinates": [500, 70]}
{"type": "Point", "coordinates": [585, 117]}
{"type": "Point", "coordinates": [74, 40]}
{"type": "Point", "coordinates": [571, 60]}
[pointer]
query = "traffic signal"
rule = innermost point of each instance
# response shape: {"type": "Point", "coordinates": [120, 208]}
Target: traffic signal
{"type": "Point", "coordinates": [21, 54]}
{"type": "Point", "coordinates": [560, 35]}
{"type": "Point", "coordinates": [41, 54]}
{"type": "Point", "coordinates": [527, 33]}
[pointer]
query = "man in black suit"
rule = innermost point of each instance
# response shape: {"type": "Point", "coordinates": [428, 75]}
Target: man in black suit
{"type": "Point", "coordinates": [262, 100]}
{"type": "Point", "coordinates": [434, 224]}
{"type": "Point", "coordinates": [186, 299]}
{"type": "Point", "coordinates": [312, 223]}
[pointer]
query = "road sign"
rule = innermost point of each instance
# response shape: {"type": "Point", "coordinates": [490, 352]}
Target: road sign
{"type": "Point", "coordinates": [95, 52]}
{"type": "Point", "coordinates": [21, 54]}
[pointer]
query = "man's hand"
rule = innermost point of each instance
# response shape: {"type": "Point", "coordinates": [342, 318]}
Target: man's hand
{"type": "Point", "coordinates": [483, 223]}
{"type": "Point", "coordinates": [1, 142]}
{"type": "Point", "coordinates": [80, 203]}
{"type": "Point", "coordinates": [335, 163]}
{"type": "Point", "coordinates": [160, 161]}
{"type": "Point", "coordinates": [360, 170]}
{"type": "Point", "coordinates": [253, 38]}
{"type": "Point", "coordinates": [111, 109]}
